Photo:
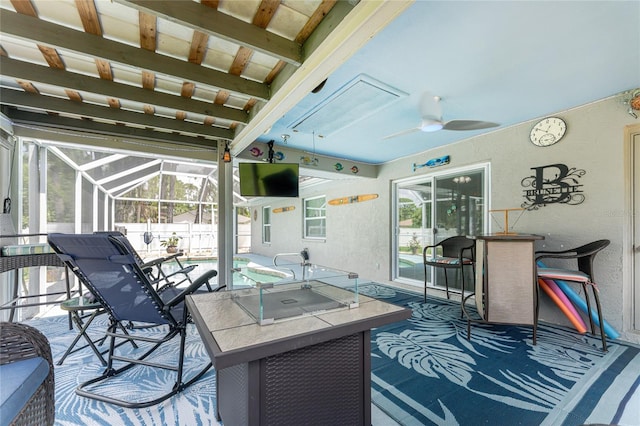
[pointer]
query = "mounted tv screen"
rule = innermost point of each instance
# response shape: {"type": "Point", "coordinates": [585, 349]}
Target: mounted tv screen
{"type": "Point", "coordinates": [268, 179]}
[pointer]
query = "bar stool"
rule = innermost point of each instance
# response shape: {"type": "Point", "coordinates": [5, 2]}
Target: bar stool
{"type": "Point", "coordinates": [583, 275]}
{"type": "Point", "coordinates": [456, 253]}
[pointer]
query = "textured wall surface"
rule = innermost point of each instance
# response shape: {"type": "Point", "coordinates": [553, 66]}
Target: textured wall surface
{"type": "Point", "coordinates": [359, 236]}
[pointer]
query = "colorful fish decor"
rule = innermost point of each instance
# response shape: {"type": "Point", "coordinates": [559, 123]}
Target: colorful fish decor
{"type": "Point", "coordinates": [338, 167]}
{"type": "Point", "coordinates": [354, 169]}
{"type": "Point", "coordinates": [308, 161]}
{"type": "Point", "coordinates": [434, 162]}
{"type": "Point", "coordinates": [279, 156]}
{"type": "Point", "coordinates": [256, 152]}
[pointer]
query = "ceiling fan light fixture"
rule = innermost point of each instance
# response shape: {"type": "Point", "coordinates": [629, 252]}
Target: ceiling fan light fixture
{"type": "Point", "coordinates": [431, 125]}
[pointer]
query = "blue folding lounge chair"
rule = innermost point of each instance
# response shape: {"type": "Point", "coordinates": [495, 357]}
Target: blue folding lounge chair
{"type": "Point", "coordinates": [154, 268]}
{"type": "Point", "coordinates": [107, 266]}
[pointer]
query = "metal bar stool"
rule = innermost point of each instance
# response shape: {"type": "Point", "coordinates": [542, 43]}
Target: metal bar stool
{"type": "Point", "coordinates": [456, 253]}
{"type": "Point", "coordinates": [583, 275]}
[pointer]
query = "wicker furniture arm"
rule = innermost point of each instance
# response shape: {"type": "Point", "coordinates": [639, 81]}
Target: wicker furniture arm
{"type": "Point", "coordinates": [19, 342]}
{"type": "Point", "coordinates": [14, 263]}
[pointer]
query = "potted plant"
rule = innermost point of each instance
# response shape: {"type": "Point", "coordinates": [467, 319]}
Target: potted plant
{"type": "Point", "coordinates": [414, 244]}
{"type": "Point", "coordinates": [171, 243]}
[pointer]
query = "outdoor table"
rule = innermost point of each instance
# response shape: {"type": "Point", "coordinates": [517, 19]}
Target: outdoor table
{"type": "Point", "coordinates": [310, 368]}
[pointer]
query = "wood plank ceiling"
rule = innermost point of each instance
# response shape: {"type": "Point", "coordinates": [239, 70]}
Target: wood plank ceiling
{"type": "Point", "coordinates": [189, 72]}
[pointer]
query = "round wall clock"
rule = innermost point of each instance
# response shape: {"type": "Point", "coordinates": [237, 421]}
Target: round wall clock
{"type": "Point", "coordinates": [548, 131]}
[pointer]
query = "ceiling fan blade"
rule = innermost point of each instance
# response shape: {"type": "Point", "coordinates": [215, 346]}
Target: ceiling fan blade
{"type": "Point", "coordinates": [402, 133]}
{"type": "Point", "coordinates": [468, 125]}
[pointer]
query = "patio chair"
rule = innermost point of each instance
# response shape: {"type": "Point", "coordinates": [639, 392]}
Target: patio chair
{"type": "Point", "coordinates": [155, 268]}
{"type": "Point", "coordinates": [83, 310]}
{"type": "Point", "coordinates": [109, 269]}
{"type": "Point", "coordinates": [583, 275]}
{"type": "Point", "coordinates": [455, 253]}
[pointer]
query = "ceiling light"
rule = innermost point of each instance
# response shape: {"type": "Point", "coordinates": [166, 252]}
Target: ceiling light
{"type": "Point", "coordinates": [431, 125]}
{"type": "Point", "coordinates": [226, 156]}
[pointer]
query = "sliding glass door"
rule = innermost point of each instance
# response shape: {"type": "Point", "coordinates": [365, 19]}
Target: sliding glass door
{"type": "Point", "coordinates": [414, 218]}
{"type": "Point", "coordinates": [431, 208]}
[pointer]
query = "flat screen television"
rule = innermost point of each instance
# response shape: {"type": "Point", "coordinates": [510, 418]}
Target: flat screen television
{"type": "Point", "coordinates": [269, 179]}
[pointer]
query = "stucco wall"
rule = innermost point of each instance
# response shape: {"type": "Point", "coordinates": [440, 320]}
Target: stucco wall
{"type": "Point", "coordinates": [359, 235]}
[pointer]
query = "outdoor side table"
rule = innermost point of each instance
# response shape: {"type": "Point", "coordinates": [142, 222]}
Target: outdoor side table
{"type": "Point", "coordinates": [83, 312]}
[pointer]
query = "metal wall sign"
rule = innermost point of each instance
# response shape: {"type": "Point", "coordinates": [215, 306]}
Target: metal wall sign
{"type": "Point", "coordinates": [554, 183]}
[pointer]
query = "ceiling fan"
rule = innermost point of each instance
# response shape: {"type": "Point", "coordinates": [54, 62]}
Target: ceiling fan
{"type": "Point", "coordinates": [431, 113]}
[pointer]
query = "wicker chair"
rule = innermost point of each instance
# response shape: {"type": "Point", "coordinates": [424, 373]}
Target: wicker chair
{"type": "Point", "coordinates": [20, 342]}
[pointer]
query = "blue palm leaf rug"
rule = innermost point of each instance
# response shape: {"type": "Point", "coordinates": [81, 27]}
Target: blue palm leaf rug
{"type": "Point", "coordinates": [194, 406]}
{"type": "Point", "coordinates": [424, 371]}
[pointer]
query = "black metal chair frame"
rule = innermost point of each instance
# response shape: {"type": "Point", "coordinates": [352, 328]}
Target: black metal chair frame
{"type": "Point", "coordinates": [154, 268]}
{"type": "Point", "coordinates": [584, 255]}
{"type": "Point", "coordinates": [452, 248]}
{"type": "Point", "coordinates": [164, 307]}
{"type": "Point", "coordinates": [83, 315]}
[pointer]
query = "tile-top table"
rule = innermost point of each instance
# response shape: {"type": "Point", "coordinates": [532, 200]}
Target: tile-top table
{"type": "Point", "coordinates": [308, 369]}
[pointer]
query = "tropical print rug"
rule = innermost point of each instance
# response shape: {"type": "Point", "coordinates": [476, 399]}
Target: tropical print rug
{"type": "Point", "coordinates": [194, 406]}
{"type": "Point", "coordinates": [425, 371]}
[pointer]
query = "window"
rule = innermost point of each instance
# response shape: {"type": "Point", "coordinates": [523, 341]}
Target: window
{"type": "Point", "coordinates": [266, 225]}
{"type": "Point", "coordinates": [315, 220]}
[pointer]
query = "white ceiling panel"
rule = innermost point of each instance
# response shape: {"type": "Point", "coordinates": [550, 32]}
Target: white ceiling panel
{"type": "Point", "coordinates": [481, 57]}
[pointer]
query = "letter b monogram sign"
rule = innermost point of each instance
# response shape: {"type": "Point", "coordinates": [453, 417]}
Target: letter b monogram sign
{"type": "Point", "coordinates": [554, 183]}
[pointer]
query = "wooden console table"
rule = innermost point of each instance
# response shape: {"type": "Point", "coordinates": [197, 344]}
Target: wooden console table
{"type": "Point", "coordinates": [506, 280]}
{"type": "Point", "coordinates": [311, 370]}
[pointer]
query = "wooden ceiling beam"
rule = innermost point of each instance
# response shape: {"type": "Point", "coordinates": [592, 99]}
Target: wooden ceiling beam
{"type": "Point", "coordinates": [50, 55]}
{"type": "Point", "coordinates": [148, 31]}
{"type": "Point", "coordinates": [315, 20]}
{"type": "Point", "coordinates": [89, 16]}
{"type": "Point", "coordinates": [265, 12]}
{"type": "Point", "coordinates": [342, 32]}
{"type": "Point", "coordinates": [25, 7]}
{"type": "Point", "coordinates": [243, 55]}
{"type": "Point", "coordinates": [104, 69]}
{"type": "Point", "coordinates": [48, 33]}
{"type": "Point", "coordinates": [198, 48]}
{"type": "Point", "coordinates": [209, 21]}
{"type": "Point", "coordinates": [64, 129]}
{"type": "Point", "coordinates": [49, 103]}
{"type": "Point", "coordinates": [42, 74]}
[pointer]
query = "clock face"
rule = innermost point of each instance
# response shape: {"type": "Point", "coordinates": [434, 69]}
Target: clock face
{"type": "Point", "coordinates": [548, 131]}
